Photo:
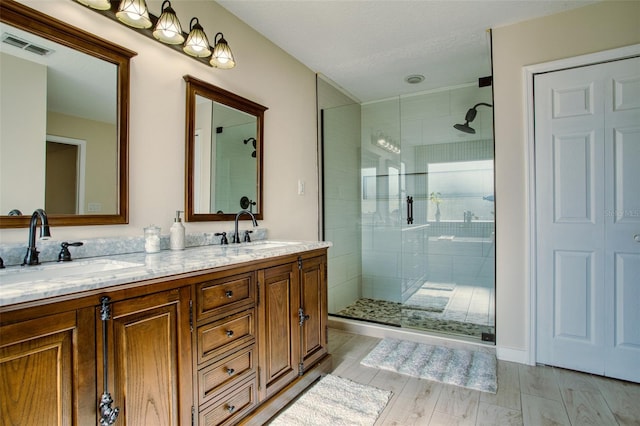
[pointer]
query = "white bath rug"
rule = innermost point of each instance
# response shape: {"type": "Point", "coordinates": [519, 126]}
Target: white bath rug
{"type": "Point", "coordinates": [439, 286]}
{"type": "Point", "coordinates": [431, 296]}
{"type": "Point", "coordinates": [468, 369]}
{"type": "Point", "coordinates": [335, 401]}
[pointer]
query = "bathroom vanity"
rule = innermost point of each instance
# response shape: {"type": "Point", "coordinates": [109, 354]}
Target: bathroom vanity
{"type": "Point", "coordinates": [206, 336]}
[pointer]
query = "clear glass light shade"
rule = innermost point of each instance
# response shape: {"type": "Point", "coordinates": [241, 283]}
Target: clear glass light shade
{"type": "Point", "coordinates": [168, 29]}
{"type": "Point", "coordinates": [222, 56]}
{"type": "Point", "coordinates": [97, 4]}
{"type": "Point", "coordinates": [197, 43]}
{"type": "Point", "coordinates": [134, 13]}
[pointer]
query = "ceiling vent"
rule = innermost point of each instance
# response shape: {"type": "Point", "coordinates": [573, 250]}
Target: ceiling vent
{"type": "Point", "coordinates": [23, 44]}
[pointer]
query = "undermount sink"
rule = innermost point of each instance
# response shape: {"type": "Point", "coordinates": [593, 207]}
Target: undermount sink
{"type": "Point", "coordinates": [259, 245]}
{"type": "Point", "coordinates": [55, 271]}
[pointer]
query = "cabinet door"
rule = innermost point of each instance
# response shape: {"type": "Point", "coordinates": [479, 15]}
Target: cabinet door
{"type": "Point", "coordinates": [149, 347]}
{"type": "Point", "coordinates": [47, 371]}
{"type": "Point", "coordinates": [279, 348]}
{"type": "Point", "coordinates": [314, 305]}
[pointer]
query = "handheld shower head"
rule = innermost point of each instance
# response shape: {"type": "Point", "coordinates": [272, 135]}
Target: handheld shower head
{"type": "Point", "coordinates": [469, 117]}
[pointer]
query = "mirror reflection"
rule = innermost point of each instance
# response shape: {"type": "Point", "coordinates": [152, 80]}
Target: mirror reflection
{"type": "Point", "coordinates": [63, 137]}
{"type": "Point", "coordinates": [70, 144]}
{"type": "Point", "coordinates": [224, 153]}
{"type": "Point", "coordinates": [225, 159]}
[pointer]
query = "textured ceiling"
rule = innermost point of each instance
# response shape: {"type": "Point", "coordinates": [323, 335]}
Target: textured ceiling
{"type": "Point", "coordinates": [368, 47]}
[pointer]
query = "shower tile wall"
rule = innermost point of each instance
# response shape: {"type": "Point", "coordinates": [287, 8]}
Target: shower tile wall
{"type": "Point", "coordinates": [342, 199]}
{"type": "Point", "coordinates": [398, 258]}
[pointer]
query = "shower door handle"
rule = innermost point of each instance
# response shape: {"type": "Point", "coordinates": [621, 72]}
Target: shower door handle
{"type": "Point", "coordinates": [409, 210]}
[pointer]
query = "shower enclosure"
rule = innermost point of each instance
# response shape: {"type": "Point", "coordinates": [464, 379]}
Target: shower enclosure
{"type": "Point", "coordinates": [408, 201]}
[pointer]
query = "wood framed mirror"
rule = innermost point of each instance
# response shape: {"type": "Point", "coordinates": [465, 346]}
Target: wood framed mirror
{"type": "Point", "coordinates": [224, 146]}
{"type": "Point", "coordinates": [76, 107]}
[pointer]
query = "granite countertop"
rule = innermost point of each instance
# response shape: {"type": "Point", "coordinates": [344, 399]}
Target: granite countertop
{"type": "Point", "coordinates": [56, 279]}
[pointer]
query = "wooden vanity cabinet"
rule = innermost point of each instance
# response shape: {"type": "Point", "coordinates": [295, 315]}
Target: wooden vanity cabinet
{"type": "Point", "coordinates": [279, 291]}
{"type": "Point", "coordinates": [47, 372]}
{"type": "Point", "coordinates": [229, 346]}
{"type": "Point", "coordinates": [289, 308]}
{"type": "Point", "coordinates": [149, 358]}
{"type": "Point", "coordinates": [225, 356]}
{"type": "Point", "coordinates": [293, 321]}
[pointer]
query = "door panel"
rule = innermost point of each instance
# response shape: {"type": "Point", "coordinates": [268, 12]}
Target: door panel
{"type": "Point", "coordinates": [314, 304]}
{"type": "Point", "coordinates": [587, 217]}
{"type": "Point", "coordinates": [622, 220]}
{"type": "Point", "coordinates": [149, 339]}
{"type": "Point", "coordinates": [573, 177]}
{"type": "Point", "coordinates": [569, 153]}
{"type": "Point", "coordinates": [574, 282]}
{"type": "Point", "coordinates": [278, 327]}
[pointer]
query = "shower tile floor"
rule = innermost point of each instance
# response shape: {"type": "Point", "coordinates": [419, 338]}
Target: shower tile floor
{"type": "Point", "coordinates": [469, 312]}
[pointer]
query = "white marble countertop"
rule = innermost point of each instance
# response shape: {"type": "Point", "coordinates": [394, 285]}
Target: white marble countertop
{"type": "Point", "coordinates": [24, 284]}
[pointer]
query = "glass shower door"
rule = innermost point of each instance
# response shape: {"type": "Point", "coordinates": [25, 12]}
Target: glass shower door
{"type": "Point", "coordinates": [448, 246]}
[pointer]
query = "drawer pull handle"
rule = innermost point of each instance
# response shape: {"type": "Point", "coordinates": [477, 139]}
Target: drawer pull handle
{"type": "Point", "coordinates": [229, 333]}
{"type": "Point", "coordinates": [228, 294]}
{"type": "Point", "coordinates": [231, 408]}
{"type": "Point", "coordinates": [230, 371]}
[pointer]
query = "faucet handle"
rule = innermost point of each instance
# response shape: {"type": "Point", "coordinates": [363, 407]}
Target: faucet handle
{"type": "Point", "coordinates": [65, 254]}
{"type": "Point", "coordinates": [223, 240]}
{"type": "Point", "coordinates": [247, 238]}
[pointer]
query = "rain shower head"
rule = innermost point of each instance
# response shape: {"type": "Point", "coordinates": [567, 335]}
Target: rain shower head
{"type": "Point", "coordinates": [469, 117]}
{"type": "Point", "coordinates": [465, 128]}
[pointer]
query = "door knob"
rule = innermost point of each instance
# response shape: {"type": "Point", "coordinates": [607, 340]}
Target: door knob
{"type": "Point", "coordinates": [636, 238]}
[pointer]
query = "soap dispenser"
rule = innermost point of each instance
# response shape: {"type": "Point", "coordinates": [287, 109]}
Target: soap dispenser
{"type": "Point", "coordinates": [176, 233]}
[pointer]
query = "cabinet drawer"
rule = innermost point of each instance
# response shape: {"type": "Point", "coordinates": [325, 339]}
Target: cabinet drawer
{"type": "Point", "coordinates": [231, 407]}
{"type": "Point", "coordinates": [224, 294]}
{"type": "Point", "coordinates": [219, 376]}
{"type": "Point", "coordinates": [219, 337]}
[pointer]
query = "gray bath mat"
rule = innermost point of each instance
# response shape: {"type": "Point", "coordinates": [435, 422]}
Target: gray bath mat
{"type": "Point", "coordinates": [468, 369]}
{"type": "Point", "coordinates": [335, 401]}
{"type": "Point", "coordinates": [432, 297]}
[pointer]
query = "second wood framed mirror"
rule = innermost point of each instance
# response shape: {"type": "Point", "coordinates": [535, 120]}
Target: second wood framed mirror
{"type": "Point", "coordinates": [224, 146]}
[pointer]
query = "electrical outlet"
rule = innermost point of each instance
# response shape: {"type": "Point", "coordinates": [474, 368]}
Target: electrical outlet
{"type": "Point", "coordinates": [300, 187]}
{"type": "Point", "coordinates": [94, 207]}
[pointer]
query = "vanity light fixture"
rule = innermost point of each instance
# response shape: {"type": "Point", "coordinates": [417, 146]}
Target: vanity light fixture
{"type": "Point", "coordinates": [383, 141]}
{"type": "Point", "coordinates": [222, 56]}
{"type": "Point", "coordinates": [197, 43]}
{"type": "Point", "coordinates": [134, 13]}
{"type": "Point", "coordinates": [97, 4]}
{"type": "Point", "coordinates": [168, 29]}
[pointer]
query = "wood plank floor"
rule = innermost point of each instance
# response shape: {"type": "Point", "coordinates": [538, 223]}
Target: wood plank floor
{"type": "Point", "coordinates": [526, 395]}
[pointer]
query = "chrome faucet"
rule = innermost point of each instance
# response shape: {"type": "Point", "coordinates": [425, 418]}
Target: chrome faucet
{"type": "Point", "coordinates": [31, 258]}
{"type": "Point", "coordinates": [236, 236]}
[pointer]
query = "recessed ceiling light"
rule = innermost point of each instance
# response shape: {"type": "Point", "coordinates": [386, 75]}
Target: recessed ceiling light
{"type": "Point", "coordinates": [414, 79]}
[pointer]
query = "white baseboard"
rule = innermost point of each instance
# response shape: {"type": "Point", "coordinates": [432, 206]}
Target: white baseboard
{"type": "Point", "coordinates": [382, 331]}
{"type": "Point", "coordinates": [513, 355]}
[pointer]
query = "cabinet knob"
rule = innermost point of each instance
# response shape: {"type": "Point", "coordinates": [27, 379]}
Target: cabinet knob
{"type": "Point", "coordinates": [228, 294]}
{"type": "Point", "coordinates": [636, 238]}
{"type": "Point", "coordinates": [231, 408]}
{"type": "Point", "coordinates": [230, 371]}
{"type": "Point", "coordinates": [229, 333]}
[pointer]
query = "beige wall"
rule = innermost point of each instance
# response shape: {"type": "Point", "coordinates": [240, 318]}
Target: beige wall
{"type": "Point", "coordinates": [22, 134]}
{"type": "Point", "coordinates": [101, 165]}
{"type": "Point", "coordinates": [594, 28]}
{"type": "Point", "coordinates": [265, 74]}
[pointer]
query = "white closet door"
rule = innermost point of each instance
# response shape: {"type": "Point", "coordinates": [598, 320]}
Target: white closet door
{"type": "Point", "coordinates": [622, 219]}
{"type": "Point", "coordinates": [587, 213]}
